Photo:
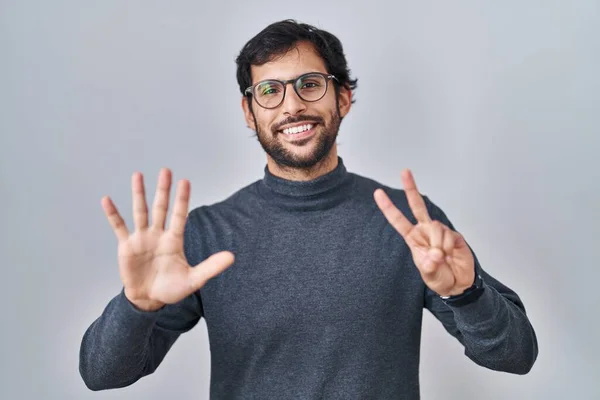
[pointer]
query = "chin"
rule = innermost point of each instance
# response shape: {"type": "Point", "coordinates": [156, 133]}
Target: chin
{"type": "Point", "coordinates": [301, 154]}
{"type": "Point", "coordinates": [303, 159]}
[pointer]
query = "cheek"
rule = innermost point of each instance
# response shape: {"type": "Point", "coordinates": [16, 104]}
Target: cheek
{"type": "Point", "coordinates": [330, 106]}
{"type": "Point", "coordinates": [266, 120]}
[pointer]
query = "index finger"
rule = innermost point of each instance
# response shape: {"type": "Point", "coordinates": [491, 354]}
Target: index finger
{"type": "Point", "coordinates": [392, 213]}
{"type": "Point", "coordinates": [415, 201]}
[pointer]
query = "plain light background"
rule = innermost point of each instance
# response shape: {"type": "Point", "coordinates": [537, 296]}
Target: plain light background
{"type": "Point", "coordinates": [494, 105]}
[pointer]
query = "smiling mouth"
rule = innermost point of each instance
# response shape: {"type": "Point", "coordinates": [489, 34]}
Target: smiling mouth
{"type": "Point", "coordinates": [299, 133]}
{"type": "Point", "coordinates": [297, 129]}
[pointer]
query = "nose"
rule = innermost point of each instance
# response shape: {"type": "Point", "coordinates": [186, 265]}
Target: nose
{"type": "Point", "coordinates": [292, 103]}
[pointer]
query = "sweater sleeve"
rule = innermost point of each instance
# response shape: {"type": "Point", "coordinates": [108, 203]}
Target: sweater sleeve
{"type": "Point", "coordinates": [493, 328]}
{"type": "Point", "coordinates": [125, 344]}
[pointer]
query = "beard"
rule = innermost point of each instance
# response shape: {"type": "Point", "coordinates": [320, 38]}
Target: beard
{"type": "Point", "coordinates": [325, 138]}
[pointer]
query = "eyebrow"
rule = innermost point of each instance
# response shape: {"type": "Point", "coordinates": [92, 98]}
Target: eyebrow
{"type": "Point", "coordinates": [281, 79]}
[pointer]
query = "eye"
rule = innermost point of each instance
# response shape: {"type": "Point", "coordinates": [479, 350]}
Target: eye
{"type": "Point", "coordinates": [267, 89]}
{"type": "Point", "coordinates": [311, 82]}
{"type": "Point", "coordinates": [270, 90]}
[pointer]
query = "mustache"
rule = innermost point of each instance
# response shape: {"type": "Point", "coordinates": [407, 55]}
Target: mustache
{"type": "Point", "coordinates": [300, 118]}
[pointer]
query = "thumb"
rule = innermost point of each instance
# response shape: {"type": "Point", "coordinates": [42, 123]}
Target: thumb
{"type": "Point", "coordinates": [209, 268]}
{"type": "Point", "coordinates": [431, 264]}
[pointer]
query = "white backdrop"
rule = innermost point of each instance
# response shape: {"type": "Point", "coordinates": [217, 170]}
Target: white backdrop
{"type": "Point", "coordinates": [494, 105]}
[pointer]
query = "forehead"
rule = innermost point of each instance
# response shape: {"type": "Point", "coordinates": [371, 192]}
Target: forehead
{"type": "Point", "coordinates": [300, 59]}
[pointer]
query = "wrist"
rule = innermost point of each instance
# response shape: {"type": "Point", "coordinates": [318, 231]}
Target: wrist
{"type": "Point", "coordinates": [145, 305]}
{"type": "Point", "coordinates": [455, 292]}
{"type": "Point", "coordinates": [469, 295]}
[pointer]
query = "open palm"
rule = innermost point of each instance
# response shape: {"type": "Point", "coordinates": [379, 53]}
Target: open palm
{"type": "Point", "coordinates": [152, 264]}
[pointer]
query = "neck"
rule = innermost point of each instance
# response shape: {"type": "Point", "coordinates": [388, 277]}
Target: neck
{"type": "Point", "coordinates": [321, 193]}
{"type": "Point", "coordinates": [326, 165]}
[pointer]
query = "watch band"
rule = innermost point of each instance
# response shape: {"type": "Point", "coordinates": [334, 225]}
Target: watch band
{"type": "Point", "coordinates": [468, 296]}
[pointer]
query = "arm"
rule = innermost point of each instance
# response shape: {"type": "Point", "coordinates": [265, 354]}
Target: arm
{"type": "Point", "coordinates": [125, 344]}
{"type": "Point", "coordinates": [128, 342]}
{"type": "Point", "coordinates": [491, 324]}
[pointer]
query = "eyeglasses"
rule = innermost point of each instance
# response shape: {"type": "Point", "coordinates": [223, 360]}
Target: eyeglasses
{"type": "Point", "coordinates": [309, 87]}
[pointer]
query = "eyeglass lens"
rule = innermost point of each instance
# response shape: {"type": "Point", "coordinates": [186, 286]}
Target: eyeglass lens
{"type": "Point", "coordinates": [310, 87]}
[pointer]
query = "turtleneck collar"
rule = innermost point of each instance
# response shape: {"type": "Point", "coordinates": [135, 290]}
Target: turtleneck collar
{"type": "Point", "coordinates": [317, 194]}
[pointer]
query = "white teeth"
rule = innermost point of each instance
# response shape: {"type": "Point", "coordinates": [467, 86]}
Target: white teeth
{"type": "Point", "coordinates": [297, 129]}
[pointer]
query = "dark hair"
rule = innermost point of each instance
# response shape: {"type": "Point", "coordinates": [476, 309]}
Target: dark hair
{"type": "Point", "coordinates": [280, 37]}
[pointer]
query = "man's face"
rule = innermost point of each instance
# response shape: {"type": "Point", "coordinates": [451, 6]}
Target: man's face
{"type": "Point", "coordinates": [293, 147]}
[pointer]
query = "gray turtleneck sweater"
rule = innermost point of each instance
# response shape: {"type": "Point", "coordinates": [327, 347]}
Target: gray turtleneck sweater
{"type": "Point", "coordinates": [323, 301]}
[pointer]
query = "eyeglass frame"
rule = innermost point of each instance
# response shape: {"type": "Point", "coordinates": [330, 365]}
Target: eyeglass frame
{"type": "Point", "coordinates": [250, 89]}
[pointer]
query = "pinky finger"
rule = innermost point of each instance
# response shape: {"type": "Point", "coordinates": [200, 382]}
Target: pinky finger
{"type": "Point", "coordinates": [115, 219]}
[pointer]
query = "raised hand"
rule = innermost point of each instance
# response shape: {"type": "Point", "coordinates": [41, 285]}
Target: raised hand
{"type": "Point", "coordinates": [442, 256]}
{"type": "Point", "coordinates": [152, 264]}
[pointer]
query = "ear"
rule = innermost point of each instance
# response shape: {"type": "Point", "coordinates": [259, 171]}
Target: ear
{"type": "Point", "coordinates": [248, 113]}
{"type": "Point", "coordinates": [345, 101]}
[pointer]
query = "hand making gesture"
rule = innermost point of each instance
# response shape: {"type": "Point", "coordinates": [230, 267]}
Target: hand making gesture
{"type": "Point", "coordinates": [152, 264]}
{"type": "Point", "coordinates": [442, 256]}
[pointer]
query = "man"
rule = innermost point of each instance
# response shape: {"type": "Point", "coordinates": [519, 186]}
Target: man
{"type": "Point", "coordinates": [312, 280]}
